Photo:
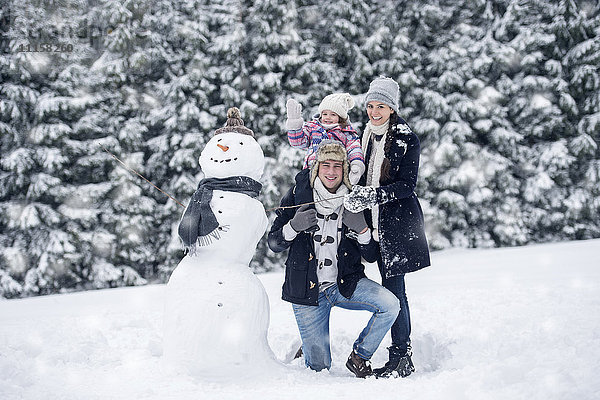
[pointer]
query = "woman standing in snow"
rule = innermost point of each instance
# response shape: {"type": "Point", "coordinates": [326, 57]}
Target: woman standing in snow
{"type": "Point", "coordinates": [392, 154]}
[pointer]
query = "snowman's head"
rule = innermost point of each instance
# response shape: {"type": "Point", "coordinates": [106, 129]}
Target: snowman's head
{"type": "Point", "coordinates": [232, 151]}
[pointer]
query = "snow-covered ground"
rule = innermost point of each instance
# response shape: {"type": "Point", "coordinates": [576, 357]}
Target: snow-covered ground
{"type": "Point", "coordinates": [517, 323]}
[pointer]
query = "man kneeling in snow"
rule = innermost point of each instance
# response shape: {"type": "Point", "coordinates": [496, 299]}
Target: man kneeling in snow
{"type": "Point", "coordinates": [323, 268]}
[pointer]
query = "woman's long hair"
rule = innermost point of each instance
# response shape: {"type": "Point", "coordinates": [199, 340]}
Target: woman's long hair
{"type": "Point", "coordinates": [390, 137]}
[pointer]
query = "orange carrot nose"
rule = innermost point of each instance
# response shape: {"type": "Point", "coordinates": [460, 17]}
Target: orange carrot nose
{"type": "Point", "coordinates": [224, 148]}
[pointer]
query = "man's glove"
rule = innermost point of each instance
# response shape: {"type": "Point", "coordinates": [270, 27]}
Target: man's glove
{"type": "Point", "coordinates": [354, 221]}
{"type": "Point", "coordinates": [294, 115]}
{"type": "Point", "coordinates": [360, 198]}
{"type": "Point", "coordinates": [357, 168]}
{"type": "Point", "coordinates": [305, 219]}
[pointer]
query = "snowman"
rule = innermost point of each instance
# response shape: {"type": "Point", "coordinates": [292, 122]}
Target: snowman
{"type": "Point", "coordinates": [217, 310]}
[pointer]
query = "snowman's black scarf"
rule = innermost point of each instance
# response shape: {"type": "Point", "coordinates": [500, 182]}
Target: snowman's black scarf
{"type": "Point", "coordinates": [199, 224]}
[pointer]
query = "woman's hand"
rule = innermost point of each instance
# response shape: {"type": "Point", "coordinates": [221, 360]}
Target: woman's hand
{"type": "Point", "coordinates": [360, 198]}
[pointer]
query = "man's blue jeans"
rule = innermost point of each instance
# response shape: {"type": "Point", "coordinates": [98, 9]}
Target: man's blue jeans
{"type": "Point", "coordinates": [313, 321]}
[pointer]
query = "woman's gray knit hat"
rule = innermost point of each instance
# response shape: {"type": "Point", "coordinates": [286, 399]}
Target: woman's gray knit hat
{"type": "Point", "coordinates": [385, 90]}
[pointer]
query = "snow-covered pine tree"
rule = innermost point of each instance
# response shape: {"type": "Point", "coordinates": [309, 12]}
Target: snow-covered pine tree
{"type": "Point", "coordinates": [554, 85]}
{"type": "Point", "coordinates": [16, 100]}
{"type": "Point", "coordinates": [490, 116]}
{"type": "Point", "coordinates": [271, 48]}
{"type": "Point", "coordinates": [468, 165]}
{"type": "Point", "coordinates": [178, 114]}
{"type": "Point", "coordinates": [576, 30]}
{"type": "Point", "coordinates": [38, 248]}
{"type": "Point", "coordinates": [426, 52]}
{"type": "Point", "coordinates": [119, 246]}
{"type": "Point", "coordinates": [72, 237]}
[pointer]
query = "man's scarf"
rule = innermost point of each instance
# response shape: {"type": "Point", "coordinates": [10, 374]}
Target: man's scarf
{"type": "Point", "coordinates": [199, 224]}
{"type": "Point", "coordinates": [327, 202]}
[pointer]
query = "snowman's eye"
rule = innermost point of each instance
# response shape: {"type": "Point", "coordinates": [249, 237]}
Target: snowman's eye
{"type": "Point", "coordinates": [242, 143]}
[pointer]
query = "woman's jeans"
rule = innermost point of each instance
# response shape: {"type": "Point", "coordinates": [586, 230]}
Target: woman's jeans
{"type": "Point", "coordinates": [401, 327]}
{"type": "Point", "coordinates": [313, 321]}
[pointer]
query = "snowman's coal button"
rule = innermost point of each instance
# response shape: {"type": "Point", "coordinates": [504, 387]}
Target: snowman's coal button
{"type": "Point", "coordinates": [219, 304]}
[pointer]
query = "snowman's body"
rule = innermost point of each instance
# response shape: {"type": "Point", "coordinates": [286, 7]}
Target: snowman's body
{"type": "Point", "coordinates": [217, 310]}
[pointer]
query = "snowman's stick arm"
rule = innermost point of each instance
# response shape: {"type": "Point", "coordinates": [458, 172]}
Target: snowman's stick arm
{"type": "Point", "coordinates": [303, 204]}
{"type": "Point", "coordinates": [141, 176]}
{"type": "Point", "coordinates": [178, 202]}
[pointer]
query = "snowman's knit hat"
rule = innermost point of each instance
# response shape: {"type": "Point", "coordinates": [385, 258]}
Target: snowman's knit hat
{"type": "Point", "coordinates": [331, 150]}
{"type": "Point", "coordinates": [234, 123]}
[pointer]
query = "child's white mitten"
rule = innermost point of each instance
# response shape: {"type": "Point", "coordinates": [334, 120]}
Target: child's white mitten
{"type": "Point", "coordinates": [294, 115]}
{"type": "Point", "coordinates": [357, 168]}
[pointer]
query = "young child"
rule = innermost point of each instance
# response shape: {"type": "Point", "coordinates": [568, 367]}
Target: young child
{"type": "Point", "coordinates": [331, 123]}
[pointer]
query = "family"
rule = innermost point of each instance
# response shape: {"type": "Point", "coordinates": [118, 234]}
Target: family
{"type": "Point", "coordinates": [357, 202]}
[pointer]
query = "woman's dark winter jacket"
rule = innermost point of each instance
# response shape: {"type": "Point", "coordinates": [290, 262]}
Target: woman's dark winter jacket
{"type": "Point", "coordinates": [301, 285]}
{"type": "Point", "coordinates": [401, 228]}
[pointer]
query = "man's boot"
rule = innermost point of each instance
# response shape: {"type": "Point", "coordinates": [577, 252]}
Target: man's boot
{"type": "Point", "coordinates": [359, 366]}
{"type": "Point", "coordinates": [400, 364]}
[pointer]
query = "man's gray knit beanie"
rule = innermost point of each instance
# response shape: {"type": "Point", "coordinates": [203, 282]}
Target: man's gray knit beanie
{"type": "Point", "coordinates": [385, 90]}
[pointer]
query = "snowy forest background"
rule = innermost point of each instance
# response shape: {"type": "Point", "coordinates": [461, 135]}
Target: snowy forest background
{"type": "Point", "coordinates": [504, 95]}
